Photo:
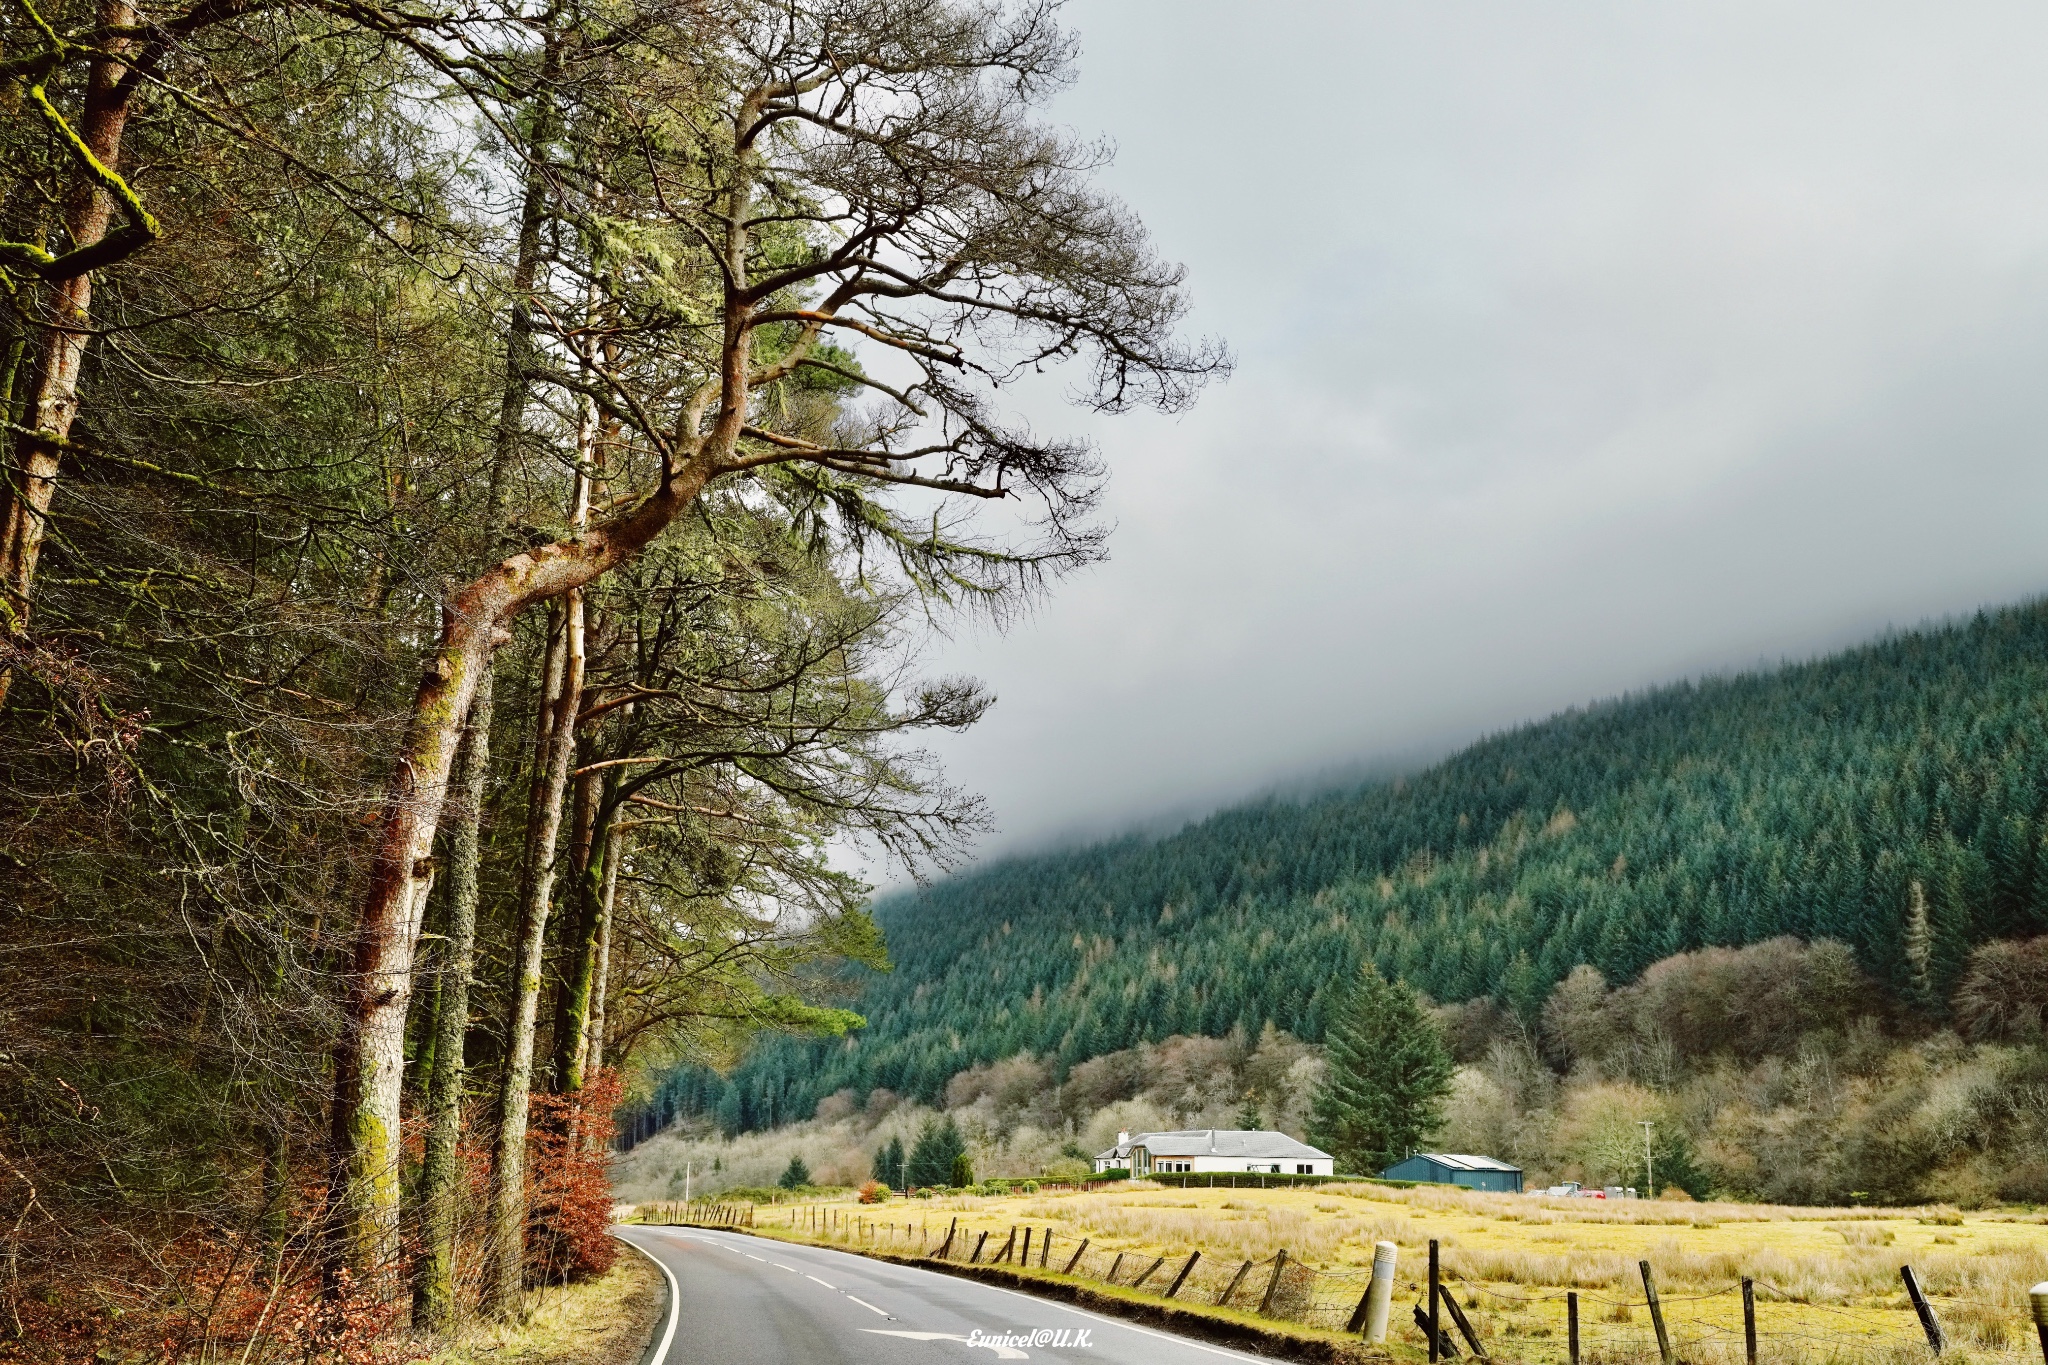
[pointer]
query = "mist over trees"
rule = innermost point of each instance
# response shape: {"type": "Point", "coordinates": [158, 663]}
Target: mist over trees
{"type": "Point", "coordinates": [473, 480]}
{"type": "Point", "coordinates": [1888, 798]}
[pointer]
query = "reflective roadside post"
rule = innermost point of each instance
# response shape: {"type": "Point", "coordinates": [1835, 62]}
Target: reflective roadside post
{"type": "Point", "coordinates": [1380, 1297]}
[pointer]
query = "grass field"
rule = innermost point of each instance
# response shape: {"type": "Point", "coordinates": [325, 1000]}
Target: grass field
{"type": "Point", "coordinates": [1827, 1280]}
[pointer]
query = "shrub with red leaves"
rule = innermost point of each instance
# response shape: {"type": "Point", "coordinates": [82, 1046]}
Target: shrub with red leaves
{"type": "Point", "coordinates": [569, 1195]}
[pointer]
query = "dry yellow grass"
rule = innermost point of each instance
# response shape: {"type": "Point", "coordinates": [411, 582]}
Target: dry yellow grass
{"type": "Point", "coordinates": [605, 1321]}
{"type": "Point", "coordinates": [1828, 1283]}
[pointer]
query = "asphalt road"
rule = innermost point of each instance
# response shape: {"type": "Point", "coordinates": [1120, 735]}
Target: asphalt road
{"type": "Point", "coordinates": [752, 1301]}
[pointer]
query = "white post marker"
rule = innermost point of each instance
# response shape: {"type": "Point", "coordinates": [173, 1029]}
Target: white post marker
{"type": "Point", "coordinates": [1380, 1297]}
{"type": "Point", "coordinates": [2039, 1295]}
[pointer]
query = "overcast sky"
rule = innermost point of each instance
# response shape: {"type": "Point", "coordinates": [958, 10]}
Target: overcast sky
{"type": "Point", "coordinates": [1581, 347]}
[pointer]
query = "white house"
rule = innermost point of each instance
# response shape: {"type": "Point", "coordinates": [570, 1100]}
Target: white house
{"type": "Point", "coordinates": [1214, 1150]}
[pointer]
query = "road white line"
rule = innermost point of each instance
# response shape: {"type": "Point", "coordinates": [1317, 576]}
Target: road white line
{"type": "Point", "coordinates": [790, 1268]}
{"type": "Point", "coordinates": [752, 1257]}
{"type": "Point", "coordinates": [870, 1307]}
{"type": "Point", "coordinates": [815, 1280]}
{"type": "Point", "coordinates": [675, 1303]}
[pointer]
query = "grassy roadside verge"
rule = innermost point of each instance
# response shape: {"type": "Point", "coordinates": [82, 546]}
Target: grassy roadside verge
{"type": "Point", "coordinates": [605, 1321]}
{"type": "Point", "coordinates": [1221, 1326]}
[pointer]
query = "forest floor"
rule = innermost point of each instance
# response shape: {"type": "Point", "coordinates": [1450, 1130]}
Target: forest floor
{"type": "Point", "coordinates": [605, 1321]}
{"type": "Point", "coordinates": [1827, 1281]}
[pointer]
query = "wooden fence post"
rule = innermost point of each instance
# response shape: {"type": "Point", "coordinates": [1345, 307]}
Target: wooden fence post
{"type": "Point", "coordinates": [1182, 1277]}
{"type": "Point", "coordinates": [1358, 1313]}
{"type": "Point", "coordinates": [1273, 1284]}
{"type": "Point", "coordinates": [1656, 1313]}
{"type": "Point", "coordinates": [1148, 1272]}
{"type": "Point", "coordinates": [1571, 1316]}
{"type": "Point", "coordinates": [947, 1245]}
{"type": "Point", "coordinates": [1027, 1248]}
{"type": "Point", "coordinates": [1441, 1342]}
{"type": "Point", "coordinates": [1223, 1300]}
{"type": "Point", "coordinates": [2039, 1297]}
{"type": "Point", "coordinates": [1114, 1266]}
{"type": "Point", "coordinates": [1464, 1325]}
{"type": "Point", "coordinates": [1749, 1320]}
{"type": "Point", "coordinates": [1078, 1252]}
{"type": "Point", "coordinates": [1045, 1249]}
{"type": "Point", "coordinates": [1435, 1329]}
{"type": "Point", "coordinates": [975, 1259]}
{"type": "Point", "coordinates": [1935, 1341]}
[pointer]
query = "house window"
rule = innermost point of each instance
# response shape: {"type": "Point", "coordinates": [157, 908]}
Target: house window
{"type": "Point", "coordinates": [1304, 1168]}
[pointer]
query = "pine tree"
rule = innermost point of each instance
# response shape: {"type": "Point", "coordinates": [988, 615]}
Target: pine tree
{"type": "Point", "coordinates": [1249, 1119]}
{"type": "Point", "coordinates": [932, 1158]}
{"type": "Point", "coordinates": [889, 1162]}
{"type": "Point", "coordinates": [796, 1175]}
{"type": "Point", "coordinates": [1388, 1073]}
{"type": "Point", "coordinates": [962, 1173]}
{"type": "Point", "coordinates": [1919, 945]}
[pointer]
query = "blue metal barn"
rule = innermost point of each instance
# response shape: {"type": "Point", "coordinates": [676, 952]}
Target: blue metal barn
{"type": "Point", "coordinates": [1451, 1168]}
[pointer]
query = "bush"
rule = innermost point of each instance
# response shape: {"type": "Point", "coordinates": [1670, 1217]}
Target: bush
{"type": "Point", "coordinates": [873, 1192]}
{"type": "Point", "coordinates": [569, 1195]}
{"type": "Point", "coordinates": [1115, 1173]}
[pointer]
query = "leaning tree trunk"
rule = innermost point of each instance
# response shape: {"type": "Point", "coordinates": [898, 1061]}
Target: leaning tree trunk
{"type": "Point", "coordinates": [370, 1052]}
{"type": "Point", "coordinates": [441, 1183]}
{"type": "Point", "coordinates": [473, 619]}
{"type": "Point", "coordinates": [60, 352]}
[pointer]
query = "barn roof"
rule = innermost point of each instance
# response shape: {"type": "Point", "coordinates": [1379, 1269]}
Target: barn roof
{"type": "Point", "coordinates": [1460, 1161]}
{"type": "Point", "coordinates": [1249, 1144]}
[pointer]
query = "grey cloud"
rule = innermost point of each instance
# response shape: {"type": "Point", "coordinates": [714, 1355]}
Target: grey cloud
{"type": "Point", "coordinates": [1581, 347]}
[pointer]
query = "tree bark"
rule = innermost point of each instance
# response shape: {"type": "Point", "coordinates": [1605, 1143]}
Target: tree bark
{"type": "Point", "coordinates": [441, 1182]}
{"type": "Point", "coordinates": [60, 352]}
{"type": "Point", "coordinates": [615, 849]}
{"type": "Point", "coordinates": [508, 1182]}
{"type": "Point", "coordinates": [589, 867]}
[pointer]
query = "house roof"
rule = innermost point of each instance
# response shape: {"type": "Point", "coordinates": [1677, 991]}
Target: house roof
{"type": "Point", "coordinates": [1252, 1144]}
{"type": "Point", "coordinates": [1459, 1161]}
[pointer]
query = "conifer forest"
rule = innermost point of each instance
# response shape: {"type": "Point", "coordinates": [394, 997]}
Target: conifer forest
{"type": "Point", "coordinates": [1887, 799]}
{"type": "Point", "coordinates": [472, 474]}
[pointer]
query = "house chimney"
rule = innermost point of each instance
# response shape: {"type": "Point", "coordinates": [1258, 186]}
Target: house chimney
{"type": "Point", "coordinates": [1123, 1137]}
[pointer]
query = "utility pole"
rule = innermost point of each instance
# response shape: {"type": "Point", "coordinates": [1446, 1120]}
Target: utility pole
{"type": "Point", "coordinates": [903, 1171]}
{"type": "Point", "coordinates": [1649, 1170]}
{"type": "Point", "coordinates": [686, 1182]}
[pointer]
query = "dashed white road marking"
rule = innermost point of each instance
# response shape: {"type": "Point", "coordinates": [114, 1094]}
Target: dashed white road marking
{"type": "Point", "coordinates": [870, 1307]}
{"type": "Point", "coordinates": [752, 1257]}
{"type": "Point", "coordinates": [815, 1280]}
{"type": "Point", "coordinates": [780, 1266]}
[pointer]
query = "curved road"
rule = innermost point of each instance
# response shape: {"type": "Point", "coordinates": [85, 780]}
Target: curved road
{"type": "Point", "coordinates": [752, 1301]}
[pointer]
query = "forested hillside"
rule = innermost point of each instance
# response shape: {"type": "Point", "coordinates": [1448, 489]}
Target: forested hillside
{"type": "Point", "coordinates": [1889, 797]}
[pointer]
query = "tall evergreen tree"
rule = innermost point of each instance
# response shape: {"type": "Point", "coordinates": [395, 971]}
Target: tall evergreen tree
{"type": "Point", "coordinates": [796, 1175]}
{"type": "Point", "coordinates": [1388, 1074]}
{"type": "Point", "coordinates": [890, 1163]}
{"type": "Point", "coordinates": [931, 1159]}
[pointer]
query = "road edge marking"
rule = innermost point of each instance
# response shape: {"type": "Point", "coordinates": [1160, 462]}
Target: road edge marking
{"type": "Point", "coordinates": [675, 1303]}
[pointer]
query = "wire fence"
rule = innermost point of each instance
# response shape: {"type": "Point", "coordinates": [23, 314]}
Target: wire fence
{"type": "Point", "coordinates": [1749, 1322]}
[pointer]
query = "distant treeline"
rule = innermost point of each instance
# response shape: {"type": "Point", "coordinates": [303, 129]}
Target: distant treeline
{"type": "Point", "coordinates": [1889, 797]}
